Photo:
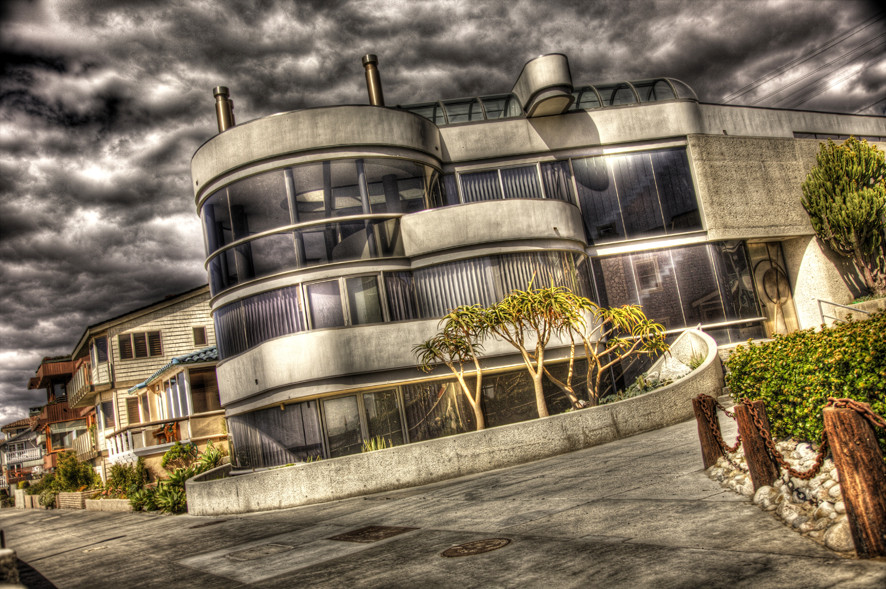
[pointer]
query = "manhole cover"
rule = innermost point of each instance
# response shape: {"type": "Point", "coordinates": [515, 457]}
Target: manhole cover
{"type": "Point", "coordinates": [259, 552]}
{"type": "Point", "coordinates": [371, 534]}
{"type": "Point", "coordinates": [476, 547]}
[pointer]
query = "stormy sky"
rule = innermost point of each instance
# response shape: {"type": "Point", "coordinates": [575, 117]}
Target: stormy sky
{"type": "Point", "coordinates": [102, 104]}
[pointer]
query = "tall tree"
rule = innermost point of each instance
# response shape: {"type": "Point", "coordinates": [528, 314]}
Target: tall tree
{"type": "Point", "coordinates": [845, 197]}
{"type": "Point", "coordinates": [456, 344]}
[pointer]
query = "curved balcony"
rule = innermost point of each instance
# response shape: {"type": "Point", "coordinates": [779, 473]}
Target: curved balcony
{"type": "Point", "coordinates": [308, 130]}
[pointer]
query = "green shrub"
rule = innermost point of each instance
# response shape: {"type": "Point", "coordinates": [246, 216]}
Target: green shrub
{"type": "Point", "coordinates": [23, 484]}
{"type": "Point", "coordinates": [126, 479]}
{"type": "Point", "coordinates": [179, 456]}
{"type": "Point", "coordinates": [171, 498]}
{"type": "Point", "coordinates": [38, 486]}
{"type": "Point", "coordinates": [47, 498]}
{"type": "Point", "coordinates": [73, 475]}
{"type": "Point", "coordinates": [144, 499]}
{"type": "Point", "coordinates": [795, 374]}
{"type": "Point", "coordinates": [376, 443]}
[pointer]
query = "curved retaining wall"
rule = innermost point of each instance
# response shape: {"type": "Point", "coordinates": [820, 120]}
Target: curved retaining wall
{"type": "Point", "coordinates": [434, 460]}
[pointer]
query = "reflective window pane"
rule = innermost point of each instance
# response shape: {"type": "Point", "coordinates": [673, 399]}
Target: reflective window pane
{"type": "Point", "coordinates": [400, 291]}
{"type": "Point", "coordinates": [395, 186]}
{"type": "Point", "coordinates": [599, 200]}
{"type": "Point", "coordinates": [383, 416]}
{"type": "Point", "coordinates": [269, 255]}
{"type": "Point", "coordinates": [557, 181]}
{"type": "Point", "coordinates": [271, 437]}
{"type": "Point", "coordinates": [342, 421]}
{"type": "Point", "coordinates": [637, 194]}
{"type": "Point", "coordinates": [480, 186]}
{"type": "Point", "coordinates": [675, 190]}
{"type": "Point", "coordinates": [258, 204]}
{"type": "Point", "coordinates": [436, 409]}
{"type": "Point", "coordinates": [363, 300]}
{"type": "Point", "coordinates": [216, 221]}
{"type": "Point", "coordinates": [521, 182]}
{"type": "Point", "coordinates": [324, 300]}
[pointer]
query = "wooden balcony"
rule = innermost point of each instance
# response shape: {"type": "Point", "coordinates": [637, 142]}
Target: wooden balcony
{"type": "Point", "coordinates": [155, 437]}
{"type": "Point", "coordinates": [85, 447]}
{"type": "Point", "coordinates": [18, 456]}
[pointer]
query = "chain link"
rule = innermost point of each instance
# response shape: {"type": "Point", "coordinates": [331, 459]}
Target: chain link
{"type": "Point", "coordinates": [715, 430]}
{"type": "Point", "coordinates": [776, 455]}
{"type": "Point", "coordinates": [862, 408]}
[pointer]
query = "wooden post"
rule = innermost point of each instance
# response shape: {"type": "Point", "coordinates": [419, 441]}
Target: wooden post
{"type": "Point", "coordinates": [762, 468]}
{"type": "Point", "coordinates": [862, 478]}
{"type": "Point", "coordinates": [710, 448]}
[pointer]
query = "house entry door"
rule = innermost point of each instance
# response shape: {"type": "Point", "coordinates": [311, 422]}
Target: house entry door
{"type": "Point", "coordinates": [773, 287]}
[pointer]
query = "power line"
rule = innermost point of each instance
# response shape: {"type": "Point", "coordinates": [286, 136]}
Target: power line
{"type": "Point", "coordinates": [802, 59]}
{"type": "Point", "coordinates": [847, 55]}
{"type": "Point", "coordinates": [864, 108]}
{"type": "Point", "coordinates": [834, 82]}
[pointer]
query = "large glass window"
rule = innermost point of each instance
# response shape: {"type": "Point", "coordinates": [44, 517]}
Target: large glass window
{"type": "Point", "coordinates": [436, 409]}
{"type": "Point", "coordinates": [343, 430]}
{"type": "Point", "coordinates": [383, 416]}
{"type": "Point", "coordinates": [635, 195]}
{"type": "Point", "coordinates": [273, 437]}
{"type": "Point", "coordinates": [324, 300]}
{"type": "Point", "coordinates": [204, 390]}
{"type": "Point", "coordinates": [681, 287]}
{"type": "Point", "coordinates": [364, 303]}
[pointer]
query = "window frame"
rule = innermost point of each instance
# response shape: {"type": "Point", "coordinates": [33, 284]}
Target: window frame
{"type": "Point", "coordinates": [203, 335]}
{"type": "Point", "coordinates": [131, 339]}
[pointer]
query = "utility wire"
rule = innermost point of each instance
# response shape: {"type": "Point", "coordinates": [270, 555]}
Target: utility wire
{"type": "Point", "coordinates": [864, 108]}
{"type": "Point", "coordinates": [834, 82]}
{"type": "Point", "coordinates": [802, 59]}
{"type": "Point", "coordinates": [847, 55]}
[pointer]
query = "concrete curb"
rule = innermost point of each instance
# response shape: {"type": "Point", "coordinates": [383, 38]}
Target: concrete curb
{"type": "Point", "coordinates": [108, 505]}
{"type": "Point", "coordinates": [455, 456]}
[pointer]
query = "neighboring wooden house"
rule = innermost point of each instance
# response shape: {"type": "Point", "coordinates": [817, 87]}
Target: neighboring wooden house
{"type": "Point", "coordinates": [179, 402]}
{"type": "Point", "coordinates": [57, 425]}
{"type": "Point", "coordinates": [21, 456]}
{"type": "Point", "coordinates": [116, 354]}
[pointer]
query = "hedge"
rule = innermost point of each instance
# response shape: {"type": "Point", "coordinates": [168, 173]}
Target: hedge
{"type": "Point", "coordinates": [795, 374]}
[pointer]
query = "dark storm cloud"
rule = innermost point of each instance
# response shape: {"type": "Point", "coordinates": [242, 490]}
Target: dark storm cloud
{"type": "Point", "coordinates": [102, 104]}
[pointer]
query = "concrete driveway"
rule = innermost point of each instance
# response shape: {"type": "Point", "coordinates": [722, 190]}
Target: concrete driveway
{"type": "Point", "coordinates": [638, 512]}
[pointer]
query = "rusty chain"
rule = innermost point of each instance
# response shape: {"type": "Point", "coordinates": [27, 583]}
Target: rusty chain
{"type": "Point", "coordinates": [861, 408]}
{"type": "Point", "coordinates": [712, 424]}
{"type": "Point", "coordinates": [776, 455]}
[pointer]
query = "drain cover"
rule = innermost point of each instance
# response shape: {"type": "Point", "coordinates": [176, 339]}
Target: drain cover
{"type": "Point", "coordinates": [371, 534]}
{"type": "Point", "coordinates": [257, 552]}
{"type": "Point", "coordinates": [476, 547]}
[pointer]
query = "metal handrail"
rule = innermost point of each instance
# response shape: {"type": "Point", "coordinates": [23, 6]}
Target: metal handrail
{"type": "Point", "coordinates": [834, 317]}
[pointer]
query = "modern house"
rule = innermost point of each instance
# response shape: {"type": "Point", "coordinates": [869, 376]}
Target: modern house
{"type": "Point", "coordinates": [337, 237]}
{"type": "Point", "coordinates": [145, 379]}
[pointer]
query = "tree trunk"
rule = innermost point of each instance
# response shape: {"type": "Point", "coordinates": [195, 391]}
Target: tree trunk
{"type": "Point", "coordinates": [478, 415]}
{"type": "Point", "coordinates": [540, 394]}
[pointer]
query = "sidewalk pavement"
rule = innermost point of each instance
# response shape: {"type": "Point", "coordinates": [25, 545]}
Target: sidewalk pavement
{"type": "Point", "coordinates": [638, 512]}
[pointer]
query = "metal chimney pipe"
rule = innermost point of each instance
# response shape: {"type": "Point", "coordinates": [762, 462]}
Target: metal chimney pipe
{"type": "Point", "coordinates": [373, 80]}
{"type": "Point", "coordinates": [224, 108]}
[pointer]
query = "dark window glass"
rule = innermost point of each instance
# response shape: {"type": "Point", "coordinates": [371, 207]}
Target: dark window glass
{"type": "Point", "coordinates": [653, 90]}
{"type": "Point", "coordinates": [557, 180]}
{"type": "Point", "coordinates": [217, 221]}
{"type": "Point", "coordinates": [637, 194]}
{"type": "Point", "coordinates": [395, 186]}
{"type": "Point", "coordinates": [343, 431]}
{"type": "Point", "coordinates": [736, 283]}
{"type": "Point", "coordinates": [146, 412]}
{"type": "Point", "coordinates": [140, 345]}
{"type": "Point", "coordinates": [230, 334]}
{"type": "Point", "coordinates": [258, 204]}
{"type": "Point", "coordinates": [199, 336]}
{"type": "Point", "coordinates": [267, 255]}
{"type": "Point", "coordinates": [588, 99]}
{"type": "Point", "coordinates": [272, 314]}
{"type": "Point", "coordinates": [101, 349]}
{"type": "Point", "coordinates": [383, 416]}
{"type": "Point", "coordinates": [480, 186]}
{"type": "Point", "coordinates": [599, 200]}
{"type": "Point", "coordinates": [521, 182]}
{"type": "Point", "coordinates": [204, 390]}
{"type": "Point", "coordinates": [124, 342]}
{"type": "Point", "coordinates": [364, 302]}
{"type": "Point", "coordinates": [699, 288]}
{"type": "Point", "coordinates": [436, 409]}
{"type": "Point", "coordinates": [508, 398]}
{"type": "Point", "coordinates": [400, 290]}
{"type": "Point", "coordinates": [132, 410]}
{"type": "Point", "coordinates": [450, 190]}
{"type": "Point", "coordinates": [107, 411]}
{"type": "Point", "coordinates": [155, 348]}
{"type": "Point", "coordinates": [272, 437]}
{"type": "Point", "coordinates": [324, 301]}
{"type": "Point", "coordinates": [463, 111]}
{"type": "Point", "coordinates": [674, 182]}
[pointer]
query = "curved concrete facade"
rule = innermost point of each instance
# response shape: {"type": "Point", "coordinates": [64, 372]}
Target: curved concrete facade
{"type": "Point", "coordinates": [311, 130]}
{"type": "Point", "coordinates": [340, 236]}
